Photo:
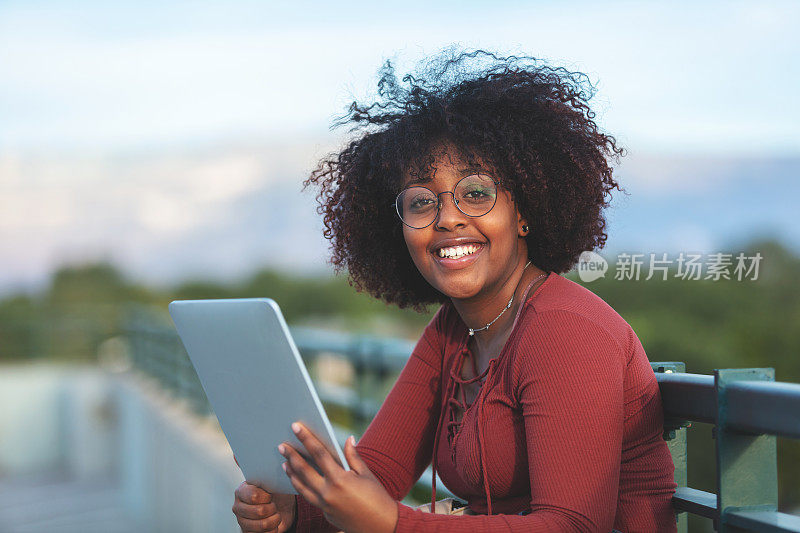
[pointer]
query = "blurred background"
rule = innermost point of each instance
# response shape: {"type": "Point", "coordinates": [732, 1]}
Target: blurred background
{"type": "Point", "coordinates": [153, 151]}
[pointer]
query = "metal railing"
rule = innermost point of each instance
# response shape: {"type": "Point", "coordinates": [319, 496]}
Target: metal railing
{"type": "Point", "coordinates": [749, 410]}
{"type": "Point", "coordinates": [747, 407]}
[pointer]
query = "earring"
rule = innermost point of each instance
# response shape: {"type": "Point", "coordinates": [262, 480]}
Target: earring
{"type": "Point", "coordinates": [525, 228]}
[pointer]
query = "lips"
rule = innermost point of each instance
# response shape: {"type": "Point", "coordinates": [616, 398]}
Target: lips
{"type": "Point", "coordinates": [458, 262]}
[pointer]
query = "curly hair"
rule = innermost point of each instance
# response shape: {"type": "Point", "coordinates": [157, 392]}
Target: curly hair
{"type": "Point", "coordinates": [529, 121]}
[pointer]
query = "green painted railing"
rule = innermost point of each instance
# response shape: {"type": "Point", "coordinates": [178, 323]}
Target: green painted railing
{"type": "Point", "coordinates": [747, 407]}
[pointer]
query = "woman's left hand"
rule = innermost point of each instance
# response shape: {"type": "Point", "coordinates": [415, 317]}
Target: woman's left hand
{"type": "Point", "coordinates": [354, 500]}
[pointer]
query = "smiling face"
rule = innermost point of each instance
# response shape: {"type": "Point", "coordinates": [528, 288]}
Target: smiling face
{"type": "Point", "coordinates": [466, 257]}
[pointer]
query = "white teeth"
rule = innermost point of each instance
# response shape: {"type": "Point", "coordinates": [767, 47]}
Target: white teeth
{"type": "Point", "coordinates": [458, 251]}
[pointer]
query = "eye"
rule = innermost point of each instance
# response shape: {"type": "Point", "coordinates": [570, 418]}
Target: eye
{"type": "Point", "coordinates": [477, 189]}
{"type": "Point", "coordinates": [477, 193]}
{"type": "Point", "coordinates": [420, 202]}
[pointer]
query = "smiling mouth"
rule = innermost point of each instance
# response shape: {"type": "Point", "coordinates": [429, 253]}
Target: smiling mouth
{"type": "Point", "coordinates": [457, 252]}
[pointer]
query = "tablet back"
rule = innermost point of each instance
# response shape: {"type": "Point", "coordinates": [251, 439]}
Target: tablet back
{"type": "Point", "coordinates": [255, 381]}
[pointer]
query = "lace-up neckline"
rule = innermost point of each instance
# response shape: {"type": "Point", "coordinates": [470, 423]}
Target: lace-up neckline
{"type": "Point", "coordinates": [450, 401]}
{"type": "Point", "coordinates": [454, 423]}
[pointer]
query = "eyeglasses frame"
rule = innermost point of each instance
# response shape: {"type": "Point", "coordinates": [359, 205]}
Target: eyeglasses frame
{"type": "Point", "coordinates": [439, 201]}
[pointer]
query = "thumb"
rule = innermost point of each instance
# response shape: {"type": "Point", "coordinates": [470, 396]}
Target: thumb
{"type": "Point", "coordinates": [353, 459]}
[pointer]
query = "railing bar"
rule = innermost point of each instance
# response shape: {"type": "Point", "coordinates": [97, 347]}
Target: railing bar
{"type": "Point", "coordinates": [695, 501]}
{"type": "Point", "coordinates": [688, 396]}
{"type": "Point", "coordinates": [764, 521]}
{"type": "Point", "coordinates": [394, 352]}
{"type": "Point", "coordinates": [770, 407]}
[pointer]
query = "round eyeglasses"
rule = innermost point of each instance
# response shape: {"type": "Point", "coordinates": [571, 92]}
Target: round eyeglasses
{"type": "Point", "coordinates": [474, 195]}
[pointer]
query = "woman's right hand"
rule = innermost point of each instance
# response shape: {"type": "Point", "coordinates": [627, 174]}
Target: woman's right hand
{"type": "Point", "coordinates": [259, 511]}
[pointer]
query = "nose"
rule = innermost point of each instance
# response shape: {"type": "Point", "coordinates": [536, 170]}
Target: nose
{"type": "Point", "coordinates": [449, 216]}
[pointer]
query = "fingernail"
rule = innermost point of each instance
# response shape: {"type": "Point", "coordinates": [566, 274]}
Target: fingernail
{"type": "Point", "coordinates": [284, 467]}
{"type": "Point", "coordinates": [281, 448]}
{"type": "Point", "coordinates": [352, 440]}
{"type": "Point", "coordinates": [296, 427]}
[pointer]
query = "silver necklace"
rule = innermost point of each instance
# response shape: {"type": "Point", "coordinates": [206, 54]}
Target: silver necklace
{"type": "Point", "coordinates": [508, 305]}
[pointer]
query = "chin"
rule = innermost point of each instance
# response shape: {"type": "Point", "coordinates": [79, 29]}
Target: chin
{"type": "Point", "coordinates": [459, 291]}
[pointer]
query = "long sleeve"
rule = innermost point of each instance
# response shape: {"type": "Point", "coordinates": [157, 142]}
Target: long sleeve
{"type": "Point", "coordinates": [568, 376]}
{"type": "Point", "coordinates": [398, 444]}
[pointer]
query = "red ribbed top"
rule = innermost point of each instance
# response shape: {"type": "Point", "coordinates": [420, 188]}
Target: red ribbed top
{"type": "Point", "coordinates": [567, 425]}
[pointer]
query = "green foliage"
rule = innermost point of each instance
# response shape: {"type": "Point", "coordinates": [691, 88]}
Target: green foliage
{"type": "Point", "coordinates": [81, 307]}
{"type": "Point", "coordinates": [18, 334]}
{"type": "Point", "coordinates": [86, 304]}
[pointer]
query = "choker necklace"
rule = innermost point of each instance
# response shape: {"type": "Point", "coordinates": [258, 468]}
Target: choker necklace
{"type": "Point", "coordinates": [508, 305]}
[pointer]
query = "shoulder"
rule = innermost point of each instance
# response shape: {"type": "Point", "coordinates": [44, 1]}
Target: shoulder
{"type": "Point", "coordinates": [567, 324]}
{"type": "Point", "coordinates": [570, 308]}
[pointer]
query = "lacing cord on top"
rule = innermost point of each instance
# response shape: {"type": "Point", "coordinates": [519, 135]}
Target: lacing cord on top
{"type": "Point", "coordinates": [453, 426]}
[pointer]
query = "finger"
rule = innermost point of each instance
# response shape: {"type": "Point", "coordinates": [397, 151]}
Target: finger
{"type": "Point", "coordinates": [252, 494]}
{"type": "Point", "coordinates": [254, 512]}
{"type": "Point", "coordinates": [305, 491]}
{"type": "Point", "coordinates": [353, 459]}
{"type": "Point", "coordinates": [259, 526]}
{"type": "Point", "coordinates": [302, 470]}
{"type": "Point", "coordinates": [325, 461]}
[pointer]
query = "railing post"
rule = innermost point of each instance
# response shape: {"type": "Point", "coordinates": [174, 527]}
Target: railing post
{"type": "Point", "coordinates": [747, 467]}
{"type": "Point", "coordinates": [675, 436]}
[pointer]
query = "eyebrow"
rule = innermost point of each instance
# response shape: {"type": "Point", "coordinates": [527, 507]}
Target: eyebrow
{"type": "Point", "coordinates": [461, 173]}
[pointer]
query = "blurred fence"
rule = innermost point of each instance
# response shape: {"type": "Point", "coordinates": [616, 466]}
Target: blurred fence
{"type": "Point", "coordinates": [352, 373]}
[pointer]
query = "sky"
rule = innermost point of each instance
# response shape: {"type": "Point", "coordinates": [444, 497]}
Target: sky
{"type": "Point", "coordinates": [672, 76]}
{"type": "Point", "coordinates": [155, 134]}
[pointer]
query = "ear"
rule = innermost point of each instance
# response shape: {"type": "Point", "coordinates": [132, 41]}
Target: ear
{"type": "Point", "coordinates": [522, 226]}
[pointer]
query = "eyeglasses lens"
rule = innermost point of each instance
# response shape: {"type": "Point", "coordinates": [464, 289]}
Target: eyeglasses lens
{"type": "Point", "coordinates": [474, 195]}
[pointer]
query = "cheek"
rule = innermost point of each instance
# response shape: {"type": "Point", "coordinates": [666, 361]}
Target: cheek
{"type": "Point", "coordinates": [416, 245]}
{"type": "Point", "coordinates": [499, 228]}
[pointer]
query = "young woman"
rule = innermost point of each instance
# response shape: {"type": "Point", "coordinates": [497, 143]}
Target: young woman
{"type": "Point", "coordinates": [474, 187]}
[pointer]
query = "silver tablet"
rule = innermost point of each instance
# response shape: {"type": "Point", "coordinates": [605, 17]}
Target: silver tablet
{"type": "Point", "coordinates": [255, 381]}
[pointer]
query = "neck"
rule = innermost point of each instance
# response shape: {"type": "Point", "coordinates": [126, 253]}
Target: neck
{"type": "Point", "coordinates": [477, 312]}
